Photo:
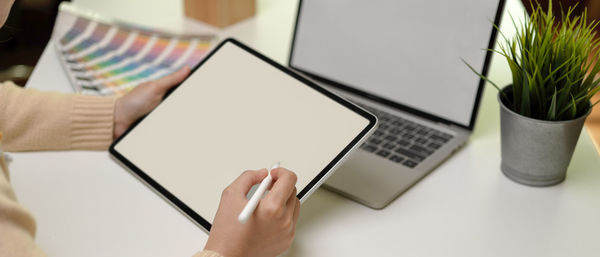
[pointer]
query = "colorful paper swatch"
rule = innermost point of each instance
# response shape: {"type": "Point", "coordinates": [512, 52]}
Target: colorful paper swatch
{"type": "Point", "coordinates": [111, 59]}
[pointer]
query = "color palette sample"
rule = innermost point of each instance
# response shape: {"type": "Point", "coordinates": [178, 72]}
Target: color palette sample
{"type": "Point", "coordinates": [111, 59]}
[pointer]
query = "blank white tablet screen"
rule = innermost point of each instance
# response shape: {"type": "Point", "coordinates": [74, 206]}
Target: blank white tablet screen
{"type": "Point", "coordinates": [236, 113]}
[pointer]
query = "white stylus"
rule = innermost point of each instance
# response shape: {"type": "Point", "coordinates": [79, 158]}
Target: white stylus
{"type": "Point", "coordinates": [260, 191]}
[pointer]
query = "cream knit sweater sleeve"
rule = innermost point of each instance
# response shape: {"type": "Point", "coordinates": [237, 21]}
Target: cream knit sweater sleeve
{"type": "Point", "coordinates": [31, 120]}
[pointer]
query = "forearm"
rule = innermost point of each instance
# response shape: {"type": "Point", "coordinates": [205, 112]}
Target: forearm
{"type": "Point", "coordinates": [33, 120]}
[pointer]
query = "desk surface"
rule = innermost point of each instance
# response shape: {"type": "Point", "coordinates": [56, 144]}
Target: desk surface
{"type": "Point", "coordinates": [86, 205]}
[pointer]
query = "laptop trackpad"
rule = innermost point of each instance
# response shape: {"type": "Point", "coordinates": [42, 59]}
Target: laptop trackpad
{"type": "Point", "coordinates": [371, 180]}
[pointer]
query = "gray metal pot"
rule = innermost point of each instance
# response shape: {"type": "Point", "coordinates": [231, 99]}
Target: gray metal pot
{"type": "Point", "coordinates": [537, 152]}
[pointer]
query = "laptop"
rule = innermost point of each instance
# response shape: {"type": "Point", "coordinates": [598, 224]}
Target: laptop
{"type": "Point", "coordinates": [401, 60]}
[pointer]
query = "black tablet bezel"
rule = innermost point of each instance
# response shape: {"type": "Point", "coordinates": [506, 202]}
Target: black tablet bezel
{"type": "Point", "coordinates": [355, 91]}
{"type": "Point", "coordinates": [186, 209]}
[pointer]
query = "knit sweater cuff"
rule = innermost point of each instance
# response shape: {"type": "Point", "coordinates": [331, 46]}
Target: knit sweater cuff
{"type": "Point", "coordinates": [92, 119]}
{"type": "Point", "coordinates": [207, 253]}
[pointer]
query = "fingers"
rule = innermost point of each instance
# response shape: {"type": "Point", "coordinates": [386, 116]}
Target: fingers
{"type": "Point", "coordinates": [291, 202]}
{"type": "Point", "coordinates": [245, 181]}
{"type": "Point", "coordinates": [293, 205]}
{"type": "Point", "coordinates": [172, 79]}
{"type": "Point", "coordinates": [296, 213]}
{"type": "Point", "coordinates": [296, 209]}
{"type": "Point", "coordinates": [283, 186]}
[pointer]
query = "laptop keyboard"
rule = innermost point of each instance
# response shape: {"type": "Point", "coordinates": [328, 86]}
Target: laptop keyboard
{"type": "Point", "coordinates": [403, 141]}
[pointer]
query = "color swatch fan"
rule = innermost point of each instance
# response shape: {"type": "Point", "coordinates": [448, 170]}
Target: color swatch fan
{"type": "Point", "coordinates": [103, 58]}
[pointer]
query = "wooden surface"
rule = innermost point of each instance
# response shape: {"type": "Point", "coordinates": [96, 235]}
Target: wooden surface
{"type": "Point", "coordinates": [220, 13]}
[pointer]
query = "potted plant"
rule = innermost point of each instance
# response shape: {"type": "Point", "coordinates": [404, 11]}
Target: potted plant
{"type": "Point", "coordinates": [553, 66]}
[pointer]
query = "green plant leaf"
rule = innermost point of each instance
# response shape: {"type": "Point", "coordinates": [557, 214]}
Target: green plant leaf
{"type": "Point", "coordinates": [548, 57]}
{"type": "Point", "coordinates": [525, 108]}
{"type": "Point", "coordinates": [574, 108]}
{"type": "Point", "coordinates": [484, 78]}
{"type": "Point", "coordinates": [552, 110]}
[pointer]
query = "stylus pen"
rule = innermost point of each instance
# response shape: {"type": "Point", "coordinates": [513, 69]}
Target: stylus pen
{"type": "Point", "coordinates": [260, 191]}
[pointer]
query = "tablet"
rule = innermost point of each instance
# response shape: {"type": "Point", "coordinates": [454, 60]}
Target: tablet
{"type": "Point", "coordinates": [238, 111]}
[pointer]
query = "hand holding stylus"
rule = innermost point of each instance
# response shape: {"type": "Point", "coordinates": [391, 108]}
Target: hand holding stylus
{"type": "Point", "coordinates": [269, 230]}
{"type": "Point", "coordinates": [260, 191]}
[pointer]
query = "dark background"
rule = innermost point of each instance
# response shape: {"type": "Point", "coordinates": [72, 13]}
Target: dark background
{"type": "Point", "coordinates": [24, 37]}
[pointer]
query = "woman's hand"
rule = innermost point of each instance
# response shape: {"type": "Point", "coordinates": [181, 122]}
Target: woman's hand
{"type": "Point", "coordinates": [143, 99]}
{"type": "Point", "coordinates": [271, 228]}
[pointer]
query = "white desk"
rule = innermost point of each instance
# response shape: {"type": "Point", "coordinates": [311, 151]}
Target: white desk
{"type": "Point", "coordinates": [86, 205]}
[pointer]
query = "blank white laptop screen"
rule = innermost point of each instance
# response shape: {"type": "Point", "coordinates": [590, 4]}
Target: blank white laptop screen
{"type": "Point", "coordinates": [405, 51]}
{"type": "Point", "coordinates": [237, 112]}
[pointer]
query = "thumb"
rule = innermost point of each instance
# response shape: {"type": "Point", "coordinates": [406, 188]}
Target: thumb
{"type": "Point", "coordinates": [166, 82]}
{"type": "Point", "coordinates": [248, 179]}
